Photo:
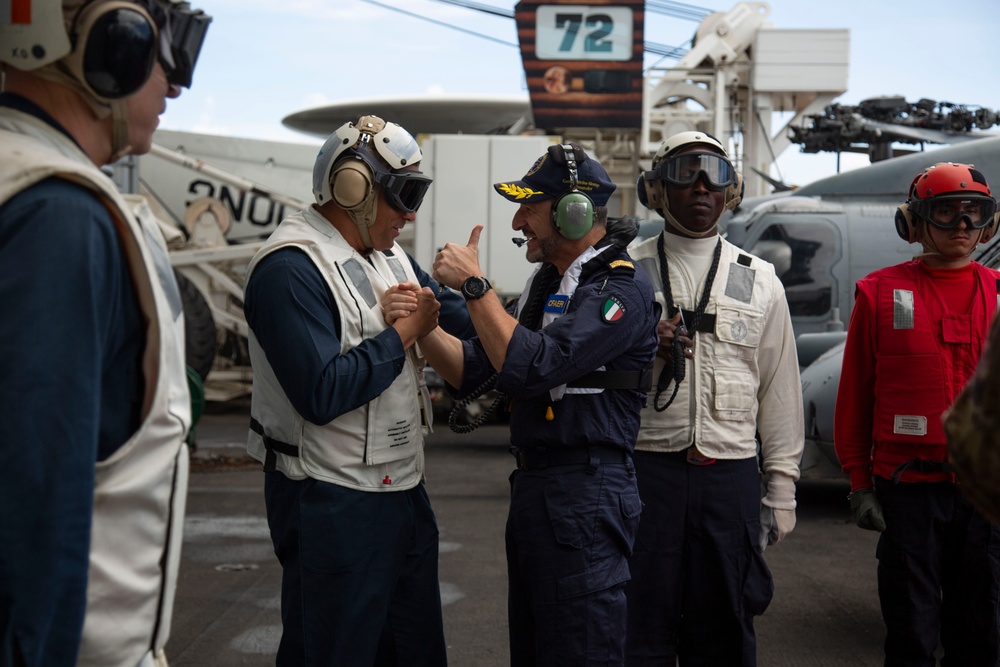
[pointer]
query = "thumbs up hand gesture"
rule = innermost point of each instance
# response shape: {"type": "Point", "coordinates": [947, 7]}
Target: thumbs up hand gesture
{"type": "Point", "coordinates": [455, 262]}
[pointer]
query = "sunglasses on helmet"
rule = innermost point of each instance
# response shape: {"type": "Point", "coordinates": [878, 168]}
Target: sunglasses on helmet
{"type": "Point", "coordinates": [684, 169]}
{"type": "Point", "coordinates": [947, 212]}
{"type": "Point", "coordinates": [405, 190]}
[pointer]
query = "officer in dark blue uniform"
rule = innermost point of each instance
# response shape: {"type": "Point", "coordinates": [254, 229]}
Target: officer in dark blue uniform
{"type": "Point", "coordinates": [573, 356]}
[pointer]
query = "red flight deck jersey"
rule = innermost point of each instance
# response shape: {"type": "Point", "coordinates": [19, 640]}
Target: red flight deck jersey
{"type": "Point", "coordinates": [913, 342]}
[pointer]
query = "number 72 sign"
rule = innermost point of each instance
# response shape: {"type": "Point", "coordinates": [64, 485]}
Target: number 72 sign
{"type": "Point", "coordinates": [582, 32]}
{"type": "Point", "coordinates": [583, 62]}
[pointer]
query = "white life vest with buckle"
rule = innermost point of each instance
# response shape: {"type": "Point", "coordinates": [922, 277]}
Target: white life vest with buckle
{"type": "Point", "coordinates": [379, 445]}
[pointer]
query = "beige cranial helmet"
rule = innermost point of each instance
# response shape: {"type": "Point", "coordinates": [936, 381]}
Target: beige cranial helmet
{"type": "Point", "coordinates": [361, 159]}
{"type": "Point", "coordinates": [682, 170]}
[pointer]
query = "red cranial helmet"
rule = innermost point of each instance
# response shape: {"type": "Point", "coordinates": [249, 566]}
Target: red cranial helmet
{"type": "Point", "coordinates": [947, 178]}
{"type": "Point", "coordinates": [944, 195]}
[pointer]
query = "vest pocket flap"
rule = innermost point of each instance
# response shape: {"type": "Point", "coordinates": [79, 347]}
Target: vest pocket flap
{"type": "Point", "coordinates": [734, 393]}
{"type": "Point", "coordinates": [738, 327]}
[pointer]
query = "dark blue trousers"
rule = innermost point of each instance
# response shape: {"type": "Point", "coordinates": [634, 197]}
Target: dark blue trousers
{"type": "Point", "coordinates": [938, 576]}
{"type": "Point", "coordinates": [359, 581]}
{"type": "Point", "coordinates": [698, 577]}
{"type": "Point", "coordinates": [569, 532]}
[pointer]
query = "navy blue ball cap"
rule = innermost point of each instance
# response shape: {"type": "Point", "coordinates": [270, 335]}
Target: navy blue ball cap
{"type": "Point", "coordinates": [549, 177]}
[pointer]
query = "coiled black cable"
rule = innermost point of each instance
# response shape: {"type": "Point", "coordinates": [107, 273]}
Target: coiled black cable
{"type": "Point", "coordinates": [677, 365]}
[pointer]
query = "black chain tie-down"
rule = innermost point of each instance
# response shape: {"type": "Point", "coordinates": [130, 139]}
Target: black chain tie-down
{"type": "Point", "coordinates": [677, 360]}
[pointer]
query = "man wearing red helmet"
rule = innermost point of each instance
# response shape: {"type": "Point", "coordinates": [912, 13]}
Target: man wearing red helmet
{"type": "Point", "coordinates": [915, 336]}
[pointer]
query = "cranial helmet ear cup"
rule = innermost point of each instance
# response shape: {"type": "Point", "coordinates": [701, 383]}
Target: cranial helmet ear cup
{"type": "Point", "coordinates": [114, 48]}
{"type": "Point", "coordinates": [734, 193]}
{"type": "Point", "coordinates": [351, 184]}
{"type": "Point", "coordinates": [906, 227]}
{"type": "Point", "coordinates": [651, 194]}
{"type": "Point", "coordinates": [655, 194]}
{"type": "Point", "coordinates": [990, 229]}
{"type": "Point", "coordinates": [573, 215]}
{"type": "Point", "coordinates": [640, 190]}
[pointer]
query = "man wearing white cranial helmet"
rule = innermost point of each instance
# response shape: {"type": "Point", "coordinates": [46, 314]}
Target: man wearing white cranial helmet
{"type": "Point", "coordinates": [93, 392]}
{"type": "Point", "coordinates": [340, 409]}
{"type": "Point", "coordinates": [726, 373]}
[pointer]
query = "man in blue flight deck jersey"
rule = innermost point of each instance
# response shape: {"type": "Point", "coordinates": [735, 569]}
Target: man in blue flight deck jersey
{"type": "Point", "coordinates": [573, 355]}
{"type": "Point", "coordinates": [338, 408]}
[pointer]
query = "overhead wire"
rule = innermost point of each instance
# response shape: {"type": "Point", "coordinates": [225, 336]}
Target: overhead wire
{"type": "Point", "coordinates": [486, 9]}
{"type": "Point", "coordinates": [665, 7]}
{"type": "Point", "coordinates": [678, 10]}
{"type": "Point", "coordinates": [441, 23]}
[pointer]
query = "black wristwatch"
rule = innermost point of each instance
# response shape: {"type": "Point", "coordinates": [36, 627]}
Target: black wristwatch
{"type": "Point", "coordinates": [475, 287]}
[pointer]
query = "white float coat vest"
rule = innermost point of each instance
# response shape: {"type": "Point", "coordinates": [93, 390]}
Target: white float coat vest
{"type": "Point", "coordinates": [140, 490]}
{"type": "Point", "coordinates": [377, 446]}
{"type": "Point", "coordinates": [745, 375]}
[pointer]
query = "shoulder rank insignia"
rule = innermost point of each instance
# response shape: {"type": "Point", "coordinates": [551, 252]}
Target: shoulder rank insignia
{"type": "Point", "coordinates": [621, 264]}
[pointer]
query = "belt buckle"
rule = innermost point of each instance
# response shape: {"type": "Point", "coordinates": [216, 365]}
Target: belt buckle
{"type": "Point", "coordinates": [694, 457]}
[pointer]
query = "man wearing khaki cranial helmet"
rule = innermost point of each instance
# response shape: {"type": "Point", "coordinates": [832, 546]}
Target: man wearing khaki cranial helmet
{"type": "Point", "coordinates": [93, 392]}
{"type": "Point", "coordinates": [361, 160]}
{"type": "Point", "coordinates": [340, 408]}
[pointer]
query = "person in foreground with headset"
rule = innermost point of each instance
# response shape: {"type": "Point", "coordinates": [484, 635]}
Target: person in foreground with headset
{"type": "Point", "coordinates": [915, 336]}
{"type": "Point", "coordinates": [573, 356]}
{"type": "Point", "coordinates": [93, 393]}
{"type": "Point", "coordinates": [340, 409]}
{"type": "Point", "coordinates": [726, 374]}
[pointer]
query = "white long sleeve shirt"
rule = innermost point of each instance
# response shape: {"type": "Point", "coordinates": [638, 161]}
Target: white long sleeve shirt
{"type": "Point", "coordinates": [744, 377]}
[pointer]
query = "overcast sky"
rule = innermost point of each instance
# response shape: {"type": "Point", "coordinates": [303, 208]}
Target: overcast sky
{"type": "Point", "coordinates": [264, 59]}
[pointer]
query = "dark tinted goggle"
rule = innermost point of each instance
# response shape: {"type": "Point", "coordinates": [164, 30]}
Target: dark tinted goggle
{"type": "Point", "coordinates": [122, 45]}
{"type": "Point", "coordinates": [405, 190]}
{"type": "Point", "coordinates": [684, 169]}
{"type": "Point", "coordinates": [182, 34]}
{"type": "Point", "coordinates": [948, 212]}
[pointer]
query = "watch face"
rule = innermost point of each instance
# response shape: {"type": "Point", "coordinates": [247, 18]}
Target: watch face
{"type": "Point", "coordinates": [474, 287]}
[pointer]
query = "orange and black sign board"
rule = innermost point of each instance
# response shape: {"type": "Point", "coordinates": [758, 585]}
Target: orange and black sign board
{"type": "Point", "coordinates": [583, 62]}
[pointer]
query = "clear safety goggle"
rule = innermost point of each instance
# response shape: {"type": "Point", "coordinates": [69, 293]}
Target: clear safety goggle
{"type": "Point", "coordinates": [947, 212]}
{"type": "Point", "coordinates": [405, 190]}
{"type": "Point", "coordinates": [684, 169]}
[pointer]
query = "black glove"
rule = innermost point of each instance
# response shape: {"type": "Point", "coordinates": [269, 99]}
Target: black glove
{"type": "Point", "coordinates": [866, 510]}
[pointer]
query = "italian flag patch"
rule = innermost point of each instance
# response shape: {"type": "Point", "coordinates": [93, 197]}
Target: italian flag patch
{"type": "Point", "coordinates": [612, 310]}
